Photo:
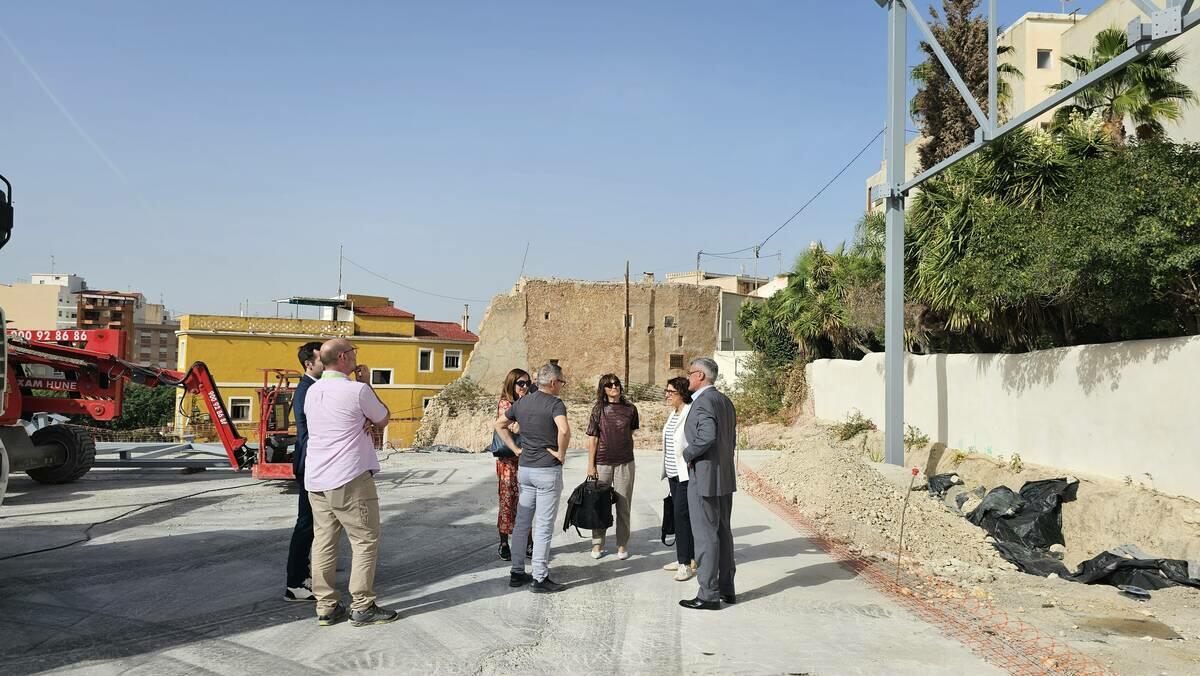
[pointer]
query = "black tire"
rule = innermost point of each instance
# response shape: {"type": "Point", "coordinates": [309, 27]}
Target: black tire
{"type": "Point", "coordinates": [81, 454]}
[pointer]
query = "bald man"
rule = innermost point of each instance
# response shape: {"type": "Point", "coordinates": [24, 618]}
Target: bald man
{"type": "Point", "coordinates": [339, 467]}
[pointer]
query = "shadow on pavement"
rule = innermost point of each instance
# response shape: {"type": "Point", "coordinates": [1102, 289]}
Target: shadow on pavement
{"type": "Point", "coordinates": [114, 600]}
{"type": "Point", "coordinates": [132, 598]}
{"type": "Point", "coordinates": [808, 576]}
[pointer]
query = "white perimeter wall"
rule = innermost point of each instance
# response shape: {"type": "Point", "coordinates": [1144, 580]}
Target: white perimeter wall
{"type": "Point", "coordinates": [731, 366]}
{"type": "Point", "coordinates": [1121, 409]}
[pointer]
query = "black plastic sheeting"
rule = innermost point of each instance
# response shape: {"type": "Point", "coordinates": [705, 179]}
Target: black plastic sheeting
{"type": "Point", "coordinates": [1032, 518]}
{"type": "Point", "coordinates": [1114, 569]}
{"type": "Point", "coordinates": [1025, 524]}
{"type": "Point", "coordinates": [940, 483]}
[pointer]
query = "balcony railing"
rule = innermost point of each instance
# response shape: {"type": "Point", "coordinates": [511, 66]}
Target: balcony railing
{"type": "Point", "coordinates": [266, 325]}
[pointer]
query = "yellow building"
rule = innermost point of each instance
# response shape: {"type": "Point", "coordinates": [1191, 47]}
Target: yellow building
{"type": "Point", "coordinates": [411, 359]}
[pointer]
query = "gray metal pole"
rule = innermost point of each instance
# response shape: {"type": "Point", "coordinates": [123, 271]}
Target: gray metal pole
{"type": "Point", "coordinates": [897, 99]}
{"type": "Point", "coordinates": [993, 76]}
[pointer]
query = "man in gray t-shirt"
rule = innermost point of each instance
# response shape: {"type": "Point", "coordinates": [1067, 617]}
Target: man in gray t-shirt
{"type": "Point", "coordinates": [536, 413]}
{"type": "Point", "coordinates": [545, 436]}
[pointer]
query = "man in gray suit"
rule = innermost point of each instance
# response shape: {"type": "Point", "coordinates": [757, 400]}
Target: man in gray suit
{"type": "Point", "coordinates": [711, 434]}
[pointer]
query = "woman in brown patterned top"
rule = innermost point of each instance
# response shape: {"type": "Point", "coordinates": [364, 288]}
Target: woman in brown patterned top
{"type": "Point", "coordinates": [610, 455]}
{"type": "Point", "coordinates": [516, 385]}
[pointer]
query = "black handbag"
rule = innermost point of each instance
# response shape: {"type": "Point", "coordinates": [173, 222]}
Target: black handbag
{"type": "Point", "coordinates": [668, 524]}
{"type": "Point", "coordinates": [501, 449]}
{"type": "Point", "coordinates": [590, 506]}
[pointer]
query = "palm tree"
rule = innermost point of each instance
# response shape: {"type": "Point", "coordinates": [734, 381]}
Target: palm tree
{"type": "Point", "coordinates": [1146, 91]}
{"type": "Point", "coordinates": [1025, 170]}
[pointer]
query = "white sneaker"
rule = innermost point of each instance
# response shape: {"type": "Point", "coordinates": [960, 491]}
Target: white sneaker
{"type": "Point", "coordinates": [597, 553]}
{"type": "Point", "coordinates": [684, 574]}
{"type": "Point", "coordinates": [623, 555]}
{"type": "Point", "coordinates": [299, 594]}
{"type": "Point", "coordinates": [671, 566]}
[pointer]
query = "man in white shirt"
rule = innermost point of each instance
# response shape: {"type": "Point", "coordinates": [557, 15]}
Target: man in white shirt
{"type": "Point", "coordinates": [340, 464]}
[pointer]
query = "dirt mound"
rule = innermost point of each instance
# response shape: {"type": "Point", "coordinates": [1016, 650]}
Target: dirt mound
{"type": "Point", "coordinates": [835, 484]}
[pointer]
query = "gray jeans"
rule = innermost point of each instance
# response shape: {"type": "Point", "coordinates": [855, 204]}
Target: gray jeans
{"type": "Point", "coordinates": [537, 508]}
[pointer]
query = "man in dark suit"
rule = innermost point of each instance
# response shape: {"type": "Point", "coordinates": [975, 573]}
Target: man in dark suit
{"type": "Point", "coordinates": [711, 433]}
{"type": "Point", "coordinates": [299, 583]}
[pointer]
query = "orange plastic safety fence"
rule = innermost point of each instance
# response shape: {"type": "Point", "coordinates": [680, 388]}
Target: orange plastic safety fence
{"type": "Point", "coordinates": [968, 617]}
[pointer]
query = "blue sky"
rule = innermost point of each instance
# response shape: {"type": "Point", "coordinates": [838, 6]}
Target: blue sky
{"type": "Point", "coordinates": [233, 146]}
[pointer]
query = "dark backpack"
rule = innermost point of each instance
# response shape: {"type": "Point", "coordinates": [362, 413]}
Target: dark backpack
{"type": "Point", "coordinates": [590, 506]}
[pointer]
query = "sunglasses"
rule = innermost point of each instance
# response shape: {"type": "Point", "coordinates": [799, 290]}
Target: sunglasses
{"type": "Point", "coordinates": [670, 392]}
{"type": "Point", "coordinates": [607, 385]}
{"type": "Point", "coordinates": [522, 383]}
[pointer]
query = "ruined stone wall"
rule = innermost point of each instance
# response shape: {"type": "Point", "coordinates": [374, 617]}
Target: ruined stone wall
{"type": "Point", "coordinates": [579, 324]}
{"type": "Point", "coordinates": [501, 345]}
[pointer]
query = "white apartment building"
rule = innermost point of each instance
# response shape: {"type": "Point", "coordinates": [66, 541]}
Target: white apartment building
{"type": "Point", "coordinates": [69, 285]}
{"type": "Point", "coordinates": [1040, 40]}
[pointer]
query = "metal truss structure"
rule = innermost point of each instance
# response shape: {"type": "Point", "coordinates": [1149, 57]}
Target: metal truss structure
{"type": "Point", "coordinates": [1165, 22]}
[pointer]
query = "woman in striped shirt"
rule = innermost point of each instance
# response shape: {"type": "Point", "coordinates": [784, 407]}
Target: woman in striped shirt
{"type": "Point", "coordinates": [679, 399]}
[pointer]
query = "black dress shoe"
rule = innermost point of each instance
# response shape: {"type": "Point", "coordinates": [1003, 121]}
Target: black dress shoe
{"type": "Point", "coordinates": [729, 598]}
{"type": "Point", "coordinates": [700, 604]}
{"type": "Point", "coordinates": [505, 553]}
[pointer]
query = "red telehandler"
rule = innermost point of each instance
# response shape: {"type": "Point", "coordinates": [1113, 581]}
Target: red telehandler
{"type": "Point", "coordinates": [77, 372]}
{"type": "Point", "coordinates": [82, 373]}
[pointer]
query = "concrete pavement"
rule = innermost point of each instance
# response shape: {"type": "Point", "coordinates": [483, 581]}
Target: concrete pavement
{"type": "Point", "coordinates": [195, 586]}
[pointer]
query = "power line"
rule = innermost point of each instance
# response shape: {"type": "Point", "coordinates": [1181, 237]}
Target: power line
{"type": "Point", "coordinates": [732, 255]}
{"type": "Point", "coordinates": [825, 187]}
{"type": "Point", "coordinates": [411, 288]}
{"type": "Point", "coordinates": [727, 253]}
{"type": "Point", "coordinates": [741, 258]}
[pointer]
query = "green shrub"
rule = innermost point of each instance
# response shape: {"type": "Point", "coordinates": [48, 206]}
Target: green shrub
{"type": "Point", "coordinates": [760, 392]}
{"type": "Point", "coordinates": [913, 438]}
{"type": "Point", "coordinates": [643, 392]}
{"type": "Point", "coordinates": [583, 392]}
{"type": "Point", "coordinates": [462, 394]}
{"type": "Point", "coordinates": [852, 426]}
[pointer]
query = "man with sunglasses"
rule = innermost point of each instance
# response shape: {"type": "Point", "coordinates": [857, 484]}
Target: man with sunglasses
{"type": "Point", "coordinates": [340, 465]}
{"type": "Point", "coordinates": [711, 434]}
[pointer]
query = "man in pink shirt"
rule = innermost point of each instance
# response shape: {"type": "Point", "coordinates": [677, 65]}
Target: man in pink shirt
{"type": "Point", "coordinates": [340, 464]}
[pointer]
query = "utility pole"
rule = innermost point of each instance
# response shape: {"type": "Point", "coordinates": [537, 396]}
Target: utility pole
{"type": "Point", "coordinates": [625, 320]}
{"type": "Point", "coordinates": [893, 152]}
{"type": "Point", "coordinates": [756, 250]}
{"type": "Point", "coordinates": [339, 291]}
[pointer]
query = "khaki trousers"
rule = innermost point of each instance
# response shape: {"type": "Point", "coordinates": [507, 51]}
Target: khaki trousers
{"type": "Point", "coordinates": [353, 508]}
{"type": "Point", "coordinates": [620, 477]}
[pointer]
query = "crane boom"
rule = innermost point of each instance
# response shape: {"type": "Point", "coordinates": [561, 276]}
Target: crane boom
{"type": "Point", "coordinates": [92, 380]}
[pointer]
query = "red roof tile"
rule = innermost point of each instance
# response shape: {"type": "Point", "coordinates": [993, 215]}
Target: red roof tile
{"type": "Point", "coordinates": [444, 330]}
{"type": "Point", "coordinates": [383, 311]}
